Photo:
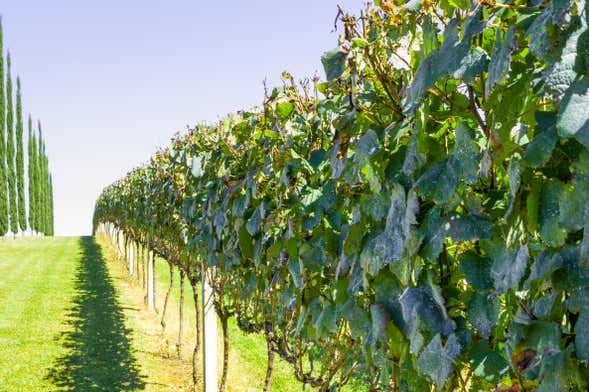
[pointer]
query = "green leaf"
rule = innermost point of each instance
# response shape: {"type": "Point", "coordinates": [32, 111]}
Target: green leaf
{"type": "Point", "coordinates": [440, 181]}
{"type": "Point", "coordinates": [483, 312]}
{"type": "Point", "coordinates": [543, 336]}
{"type": "Point", "coordinates": [444, 61]}
{"type": "Point", "coordinates": [240, 205]}
{"type": "Point", "coordinates": [414, 158]}
{"type": "Point", "coordinates": [573, 272]}
{"type": "Point", "coordinates": [379, 321]}
{"type": "Point", "coordinates": [561, 70]}
{"type": "Point", "coordinates": [539, 150]}
{"type": "Point", "coordinates": [284, 109]}
{"type": "Point", "coordinates": [296, 271]}
{"type": "Point", "coordinates": [367, 145]}
{"type": "Point", "coordinates": [245, 243]}
{"type": "Point", "coordinates": [467, 152]}
{"type": "Point", "coordinates": [549, 214]}
{"type": "Point", "coordinates": [334, 63]}
{"type": "Point", "coordinates": [389, 245]}
{"type": "Point", "coordinates": [326, 322]}
{"type": "Point", "coordinates": [543, 306]}
{"type": "Point", "coordinates": [197, 166]}
{"type": "Point", "coordinates": [424, 304]}
{"type": "Point", "coordinates": [253, 223]}
{"type": "Point", "coordinates": [544, 264]}
{"type": "Point", "coordinates": [311, 196]}
{"type": "Point", "coordinates": [573, 115]}
{"type": "Point", "coordinates": [582, 337]}
{"type": "Point", "coordinates": [488, 364]}
{"type": "Point", "coordinates": [500, 58]}
{"type": "Point", "coordinates": [359, 322]}
{"type": "Point", "coordinates": [573, 203]}
{"type": "Point", "coordinates": [514, 179]}
{"type": "Point", "coordinates": [409, 378]}
{"type": "Point", "coordinates": [557, 371]}
{"type": "Point", "coordinates": [533, 205]}
{"type": "Point", "coordinates": [537, 33]}
{"type": "Point", "coordinates": [437, 361]}
{"type": "Point", "coordinates": [474, 63]}
{"type": "Point", "coordinates": [584, 246]}
{"type": "Point", "coordinates": [388, 290]}
{"type": "Point", "coordinates": [508, 266]}
{"type": "Point", "coordinates": [477, 270]}
{"type": "Point", "coordinates": [434, 234]}
{"type": "Point", "coordinates": [471, 227]}
{"type": "Point", "coordinates": [360, 43]}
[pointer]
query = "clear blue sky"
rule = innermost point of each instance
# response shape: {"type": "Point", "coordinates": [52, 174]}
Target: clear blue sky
{"type": "Point", "coordinates": [113, 80]}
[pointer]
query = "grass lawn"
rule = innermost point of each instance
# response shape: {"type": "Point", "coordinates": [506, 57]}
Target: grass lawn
{"type": "Point", "coordinates": [71, 319]}
{"type": "Point", "coordinates": [61, 328]}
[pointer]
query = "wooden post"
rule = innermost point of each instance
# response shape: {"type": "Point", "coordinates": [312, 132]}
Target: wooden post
{"type": "Point", "coordinates": [150, 280]}
{"type": "Point", "coordinates": [209, 336]}
{"type": "Point", "coordinates": [121, 244]}
{"type": "Point", "coordinates": [131, 257]}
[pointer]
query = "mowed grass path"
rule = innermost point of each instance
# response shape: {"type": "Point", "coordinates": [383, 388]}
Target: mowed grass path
{"type": "Point", "coordinates": [61, 328]}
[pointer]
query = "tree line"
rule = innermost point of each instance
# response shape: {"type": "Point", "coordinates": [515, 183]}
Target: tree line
{"type": "Point", "coordinates": [13, 201]}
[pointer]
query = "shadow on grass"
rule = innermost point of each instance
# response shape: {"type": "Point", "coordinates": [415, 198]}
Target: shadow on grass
{"type": "Point", "coordinates": [99, 356]}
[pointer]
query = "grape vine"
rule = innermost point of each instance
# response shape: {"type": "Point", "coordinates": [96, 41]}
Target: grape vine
{"type": "Point", "coordinates": [420, 219]}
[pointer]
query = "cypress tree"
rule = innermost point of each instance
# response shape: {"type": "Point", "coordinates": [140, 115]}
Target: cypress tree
{"type": "Point", "coordinates": [3, 179]}
{"type": "Point", "coordinates": [32, 150]}
{"type": "Point", "coordinates": [51, 228]}
{"type": "Point", "coordinates": [38, 181]}
{"type": "Point", "coordinates": [42, 183]}
{"type": "Point", "coordinates": [10, 162]}
{"type": "Point", "coordinates": [45, 193]}
{"type": "Point", "coordinates": [20, 161]}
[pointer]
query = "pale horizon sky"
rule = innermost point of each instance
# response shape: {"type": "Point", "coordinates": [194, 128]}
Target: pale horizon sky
{"type": "Point", "coordinates": [112, 81]}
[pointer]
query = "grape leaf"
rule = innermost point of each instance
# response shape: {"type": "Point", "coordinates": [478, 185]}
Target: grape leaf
{"type": "Point", "coordinates": [422, 303]}
{"type": "Point", "coordinates": [573, 115]}
{"type": "Point", "coordinates": [197, 166]}
{"type": "Point", "coordinates": [508, 266]}
{"type": "Point", "coordinates": [549, 214]}
{"type": "Point", "coordinates": [500, 58]}
{"type": "Point", "coordinates": [477, 270]}
{"type": "Point", "coordinates": [539, 150]}
{"type": "Point", "coordinates": [367, 145]}
{"type": "Point", "coordinates": [483, 312]}
{"type": "Point", "coordinates": [437, 361]}
{"type": "Point", "coordinates": [543, 265]}
{"type": "Point", "coordinates": [434, 234]}
{"type": "Point", "coordinates": [285, 109]}
{"type": "Point", "coordinates": [537, 33]}
{"type": "Point", "coordinates": [573, 203]}
{"type": "Point", "coordinates": [439, 182]}
{"type": "Point", "coordinates": [467, 152]}
{"type": "Point", "coordinates": [474, 63]}
{"type": "Point", "coordinates": [334, 63]}
{"type": "Point", "coordinates": [557, 371]}
{"type": "Point", "coordinates": [562, 61]}
{"type": "Point", "coordinates": [444, 61]}
{"type": "Point", "coordinates": [389, 245]}
{"type": "Point", "coordinates": [487, 363]}
{"type": "Point", "coordinates": [470, 227]}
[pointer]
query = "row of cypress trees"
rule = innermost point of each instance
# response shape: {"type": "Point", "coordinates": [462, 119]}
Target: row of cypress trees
{"type": "Point", "coordinates": [13, 208]}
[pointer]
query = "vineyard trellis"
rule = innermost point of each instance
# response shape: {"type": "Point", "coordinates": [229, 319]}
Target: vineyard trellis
{"type": "Point", "coordinates": [418, 220]}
